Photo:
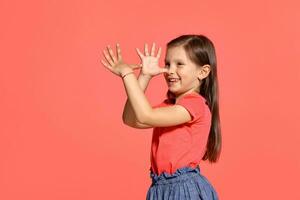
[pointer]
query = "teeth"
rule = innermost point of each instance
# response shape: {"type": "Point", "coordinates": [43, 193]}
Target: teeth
{"type": "Point", "coordinates": [173, 79]}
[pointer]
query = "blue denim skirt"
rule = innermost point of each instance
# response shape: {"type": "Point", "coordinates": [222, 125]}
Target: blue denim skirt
{"type": "Point", "coordinates": [185, 183]}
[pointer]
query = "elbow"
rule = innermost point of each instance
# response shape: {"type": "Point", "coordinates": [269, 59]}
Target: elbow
{"type": "Point", "coordinates": [132, 125]}
{"type": "Point", "coordinates": [128, 124]}
{"type": "Point", "coordinates": [124, 119]}
{"type": "Point", "coordinates": [143, 119]}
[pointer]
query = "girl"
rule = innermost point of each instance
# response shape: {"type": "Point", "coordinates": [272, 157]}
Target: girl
{"type": "Point", "coordinates": [186, 124]}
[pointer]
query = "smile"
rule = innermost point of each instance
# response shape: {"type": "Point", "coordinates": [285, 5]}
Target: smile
{"type": "Point", "coordinates": [173, 81]}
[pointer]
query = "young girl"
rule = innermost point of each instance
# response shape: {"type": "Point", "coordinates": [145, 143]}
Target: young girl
{"type": "Point", "coordinates": [186, 124]}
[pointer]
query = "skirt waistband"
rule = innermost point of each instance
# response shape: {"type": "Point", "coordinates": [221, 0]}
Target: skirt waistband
{"type": "Point", "coordinates": [180, 174]}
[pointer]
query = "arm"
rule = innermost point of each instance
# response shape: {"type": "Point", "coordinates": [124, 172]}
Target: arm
{"type": "Point", "coordinates": [128, 116]}
{"type": "Point", "coordinates": [145, 114]}
{"type": "Point", "coordinates": [136, 101]}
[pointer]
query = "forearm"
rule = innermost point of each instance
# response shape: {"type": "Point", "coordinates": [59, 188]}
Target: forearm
{"type": "Point", "coordinates": [137, 99]}
{"type": "Point", "coordinates": [129, 116]}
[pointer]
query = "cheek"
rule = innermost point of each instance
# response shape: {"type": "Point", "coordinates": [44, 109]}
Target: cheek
{"type": "Point", "coordinates": [186, 80]}
{"type": "Point", "coordinates": [183, 75]}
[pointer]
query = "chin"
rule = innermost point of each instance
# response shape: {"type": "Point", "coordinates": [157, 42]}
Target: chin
{"type": "Point", "coordinates": [175, 92]}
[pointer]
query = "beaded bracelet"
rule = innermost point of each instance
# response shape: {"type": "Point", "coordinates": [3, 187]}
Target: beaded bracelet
{"type": "Point", "coordinates": [126, 74]}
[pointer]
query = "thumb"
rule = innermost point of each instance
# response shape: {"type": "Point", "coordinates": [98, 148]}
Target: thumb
{"type": "Point", "coordinates": [135, 66]}
{"type": "Point", "coordinates": [163, 70]}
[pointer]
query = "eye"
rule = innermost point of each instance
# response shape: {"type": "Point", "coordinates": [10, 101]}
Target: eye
{"type": "Point", "coordinates": [180, 63]}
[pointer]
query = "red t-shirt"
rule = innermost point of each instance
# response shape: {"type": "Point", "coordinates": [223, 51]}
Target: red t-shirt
{"type": "Point", "coordinates": [185, 144]}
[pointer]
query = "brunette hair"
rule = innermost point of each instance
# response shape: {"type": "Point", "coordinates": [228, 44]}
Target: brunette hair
{"type": "Point", "coordinates": [201, 51]}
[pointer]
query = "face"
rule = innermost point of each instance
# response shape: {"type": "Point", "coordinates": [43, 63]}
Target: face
{"type": "Point", "coordinates": [183, 69]}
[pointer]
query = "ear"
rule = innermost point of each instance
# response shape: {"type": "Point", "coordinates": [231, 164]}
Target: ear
{"type": "Point", "coordinates": [204, 71]}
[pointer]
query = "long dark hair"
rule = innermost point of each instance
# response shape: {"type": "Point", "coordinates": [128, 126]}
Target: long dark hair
{"type": "Point", "coordinates": [201, 51]}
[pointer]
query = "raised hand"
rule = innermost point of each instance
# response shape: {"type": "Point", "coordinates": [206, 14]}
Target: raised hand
{"type": "Point", "coordinates": [117, 65]}
{"type": "Point", "coordinates": [150, 65]}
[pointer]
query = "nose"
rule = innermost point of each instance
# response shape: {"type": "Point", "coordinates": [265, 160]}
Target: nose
{"type": "Point", "coordinates": [171, 70]}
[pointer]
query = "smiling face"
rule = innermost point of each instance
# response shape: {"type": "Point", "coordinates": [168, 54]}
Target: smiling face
{"type": "Point", "coordinates": [183, 69]}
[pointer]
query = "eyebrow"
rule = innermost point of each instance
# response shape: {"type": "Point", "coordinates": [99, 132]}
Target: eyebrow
{"type": "Point", "coordinates": [176, 60]}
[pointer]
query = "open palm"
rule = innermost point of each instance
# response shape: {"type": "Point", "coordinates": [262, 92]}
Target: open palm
{"type": "Point", "coordinates": [116, 64]}
{"type": "Point", "coordinates": [150, 63]}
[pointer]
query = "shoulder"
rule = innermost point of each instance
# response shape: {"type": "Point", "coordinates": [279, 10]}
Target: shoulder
{"type": "Point", "coordinates": [192, 98]}
{"type": "Point", "coordinates": [195, 104]}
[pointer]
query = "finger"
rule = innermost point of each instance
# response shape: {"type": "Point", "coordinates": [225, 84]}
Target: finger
{"type": "Point", "coordinates": [111, 53]}
{"type": "Point", "coordinates": [153, 49]}
{"type": "Point", "coordinates": [163, 70]}
{"type": "Point", "coordinates": [108, 58]}
{"type": "Point", "coordinates": [159, 53]}
{"type": "Point", "coordinates": [146, 49]}
{"type": "Point", "coordinates": [105, 64]}
{"type": "Point", "coordinates": [139, 53]}
{"type": "Point", "coordinates": [119, 54]}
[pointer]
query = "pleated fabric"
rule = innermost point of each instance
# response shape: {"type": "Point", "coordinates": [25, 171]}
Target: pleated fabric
{"type": "Point", "coordinates": [185, 183]}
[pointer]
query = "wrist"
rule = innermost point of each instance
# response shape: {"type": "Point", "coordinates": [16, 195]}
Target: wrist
{"type": "Point", "coordinates": [126, 71]}
{"type": "Point", "coordinates": [145, 75]}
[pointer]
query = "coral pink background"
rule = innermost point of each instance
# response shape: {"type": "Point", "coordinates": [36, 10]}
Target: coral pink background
{"type": "Point", "coordinates": [61, 130]}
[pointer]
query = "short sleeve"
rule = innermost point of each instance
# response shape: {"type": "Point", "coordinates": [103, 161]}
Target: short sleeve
{"type": "Point", "coordinates": [194, 104]}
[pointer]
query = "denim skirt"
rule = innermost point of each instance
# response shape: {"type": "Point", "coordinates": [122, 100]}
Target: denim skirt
{"type": "Point", "coordinates": [185, 183]}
